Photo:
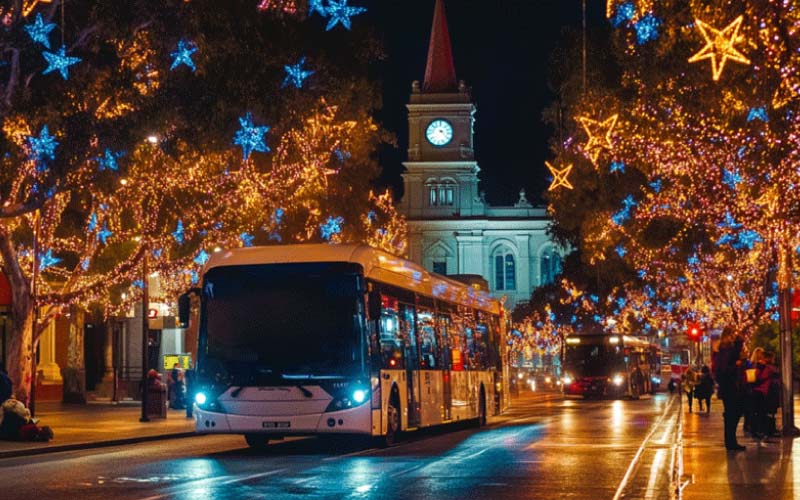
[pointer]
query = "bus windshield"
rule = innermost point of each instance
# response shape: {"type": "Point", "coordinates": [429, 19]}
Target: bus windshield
{"type": "Point", "coordinates": [593, 360]}
{"type": "Point", "coordinates": [267, 322]}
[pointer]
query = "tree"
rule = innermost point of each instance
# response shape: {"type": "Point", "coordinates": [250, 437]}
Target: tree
{"type": "Point", "coordinates": [695, 141]}
{"type": "Point", "coordinates": [154, 145]}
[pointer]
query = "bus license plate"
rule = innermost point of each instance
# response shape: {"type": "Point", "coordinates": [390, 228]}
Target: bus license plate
{"type": "Point", "coordinates": [275, 425]}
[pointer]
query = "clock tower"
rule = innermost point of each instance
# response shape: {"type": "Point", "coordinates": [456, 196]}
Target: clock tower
{"type": "Point", "coordinates": [441, 178]}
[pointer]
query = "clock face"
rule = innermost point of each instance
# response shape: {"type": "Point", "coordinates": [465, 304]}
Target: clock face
{"type": "Point", "coordinates": [439, 132]}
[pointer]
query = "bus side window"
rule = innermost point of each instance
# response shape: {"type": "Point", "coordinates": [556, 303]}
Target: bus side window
{"type": "Point", "coordinates": [391, 337]}
{"type": "Point", "coordinates": [444, 344]}
{"type": "Point", "coordinates": [457, 343]}
{"type": "Point", "coordinates": [429, 352]}
{"type": "Point", "coordinates": [481, 339]}
{"type": "Point", "coordinates": [409, 336]}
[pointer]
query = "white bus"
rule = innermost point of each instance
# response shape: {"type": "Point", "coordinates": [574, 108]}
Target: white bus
{"type": "Point", "coordinates": [340, 339]}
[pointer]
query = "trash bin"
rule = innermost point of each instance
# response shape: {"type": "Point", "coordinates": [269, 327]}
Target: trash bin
{"type": "Point", "coordinates": [157, 402]}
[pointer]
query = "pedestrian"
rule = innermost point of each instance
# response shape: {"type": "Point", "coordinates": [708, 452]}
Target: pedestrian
{"type": "Point", "coordinates": [177, 389]}
{"type": "Point", "coordinates": [728, 372]}
{"type": "Point", "coordinates": [751, 367]}
{"type": "Point", "coordinates": [6, 387]}
{"type": "Point", "coordinates": [704, 388]}
{"type": "Point", "coordinates": [765, 375]}
{"type": "Point", "coordinates": [688, 382]}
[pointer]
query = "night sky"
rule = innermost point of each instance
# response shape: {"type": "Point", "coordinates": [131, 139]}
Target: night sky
{"type": "Point", "coordinates": [502, 49]}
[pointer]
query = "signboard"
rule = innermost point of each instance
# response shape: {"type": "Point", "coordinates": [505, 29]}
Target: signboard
{"type": "Point", "coordinates": [183, 360]}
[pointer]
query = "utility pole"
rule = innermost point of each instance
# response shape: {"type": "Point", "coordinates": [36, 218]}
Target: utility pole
{"type": "Point", "coordinates": [145, 336]}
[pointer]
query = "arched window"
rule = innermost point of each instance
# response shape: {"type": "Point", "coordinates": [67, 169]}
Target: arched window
{"type": "Point", "coordinates": [550, 266]}
{"type": "Point", "coordinates": [505, 270]}
{"type": "Point", "coordinates": [441, 193]}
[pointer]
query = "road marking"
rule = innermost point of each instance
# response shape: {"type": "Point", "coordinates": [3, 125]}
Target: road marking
{"type": "Point", "coordinates": [627, 477]}
{"type": "Point", "coordinates": [183, 486]}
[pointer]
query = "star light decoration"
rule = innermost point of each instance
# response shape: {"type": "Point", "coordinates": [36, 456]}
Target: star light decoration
{"type": "Point", "coordinates": [331, 228]}
{"type": "Point", "coordinates": [43, 147]}
{"type": "Point", "coordinates": [109, 160]}
{"type": "Point", "coordinates": [720, 46]}
{"type": "Point", "coordinates": [59, 61]}
{"type": "Point", "coordinates": [250, 137]}
{"type": "Point", "coordinates": [599, 133]}
{"type": "Point", "coordinates": [560, 176]}
{"type": "Point", "coordinates": [183, 55]}
{"type": "Point", "coordinates": [39, 31]}
{"type": "Point", "coordinates": [340, 13]}
{"type": "Point", "coordinates": [296, 75]}
{"type": "Point", "coordinates": [317, 6]}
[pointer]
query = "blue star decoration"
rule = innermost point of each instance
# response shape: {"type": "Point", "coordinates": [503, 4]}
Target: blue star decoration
{"type": "Point", "coordinates": [44, 146]}
{"type": "Point", "coordinates": [331, 227]}
{"type": "Point", "coordinates": [296, 75]}
{"type": "Point", "coordinates": [247, 239]}
{"type": "Point", "coordinates": [731, 178]}
{"type": "Point", "coordinates": [340, 12]}
{"type": "Point", "coordinates": [201, 258]}
{"type": "Point", "coordinates": [47, 260]}
{"type": "Point", "coordinates": [318, 7]}
{"type": "Point", "coordinates": [92, 222]}
{"type": "Point", "coordinates": [656, 185]}
{"type": "Point", "coordinates": [183, 55]}
{"type": "Point", "coordinates": [178, 233]}
{"type": "Point", "coordinates": [620, 250]}
{"type": "Point", "coordinates": [617, 166]}
{"type": "Point", "coordinates": [109, 160]}
{"type": "Point", "coordinates": [624, 13]}
{"type": "Point", "coordinates": [759, 113]}
{"type": "Point", "coordinates": [250, 137]}
{"type": "Point", "coordinates": [104, 234]}
{"type": "Point", "coordinates": [59, 61]}
{"type": "Point", "coordinates": [647, 28]}
{"type": "Point", "coordinates": [39, 31]}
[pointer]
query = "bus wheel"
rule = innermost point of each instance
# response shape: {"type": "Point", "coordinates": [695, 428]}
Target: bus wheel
{"type": "Point", "coordinates": [392, 422]}
{"type": "Point", "coordinates": [256, 441]}
{"type": "Point", "coordinates": [482, 409]}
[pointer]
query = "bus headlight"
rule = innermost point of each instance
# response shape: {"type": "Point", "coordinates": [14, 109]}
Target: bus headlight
{"type": "Point", "coordinates": [359, 396]}
{"type": "Point", "coordinates": [617, 380]}
{"type": "Point", "coordinates": [200, 398]}
{"type": "Point", "coordinates": [567, 380]}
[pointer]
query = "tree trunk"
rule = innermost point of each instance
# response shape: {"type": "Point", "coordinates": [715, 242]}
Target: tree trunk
{"type": "Point", "coordinates": [20, 347]}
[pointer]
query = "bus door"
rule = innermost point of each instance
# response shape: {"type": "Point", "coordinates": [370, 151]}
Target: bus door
{"type": "Point", "coordinates": [443, 320]}
{"type": "Point", "coordinates": [430, 374]}
{"type": "Point", "coordinates": [411, 355]}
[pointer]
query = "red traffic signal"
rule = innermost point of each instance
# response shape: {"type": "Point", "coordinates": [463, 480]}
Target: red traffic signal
{"type": "Point", "coordinates": [694, 332]}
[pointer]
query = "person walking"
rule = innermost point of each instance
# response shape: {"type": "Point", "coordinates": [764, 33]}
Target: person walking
{"type": "Point", "coordinates": [728, 372]}
{"type": "Point", "coordinates": [704, 389]}
{"type": "Point", "coordinates": [688, 382]}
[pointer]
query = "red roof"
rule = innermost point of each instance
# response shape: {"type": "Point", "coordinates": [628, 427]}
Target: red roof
{"type": "Point", "coordinates": [440, 73]}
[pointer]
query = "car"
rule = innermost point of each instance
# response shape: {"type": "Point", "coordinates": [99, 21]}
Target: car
{"type": "Point", "coordinates": [542, 381]}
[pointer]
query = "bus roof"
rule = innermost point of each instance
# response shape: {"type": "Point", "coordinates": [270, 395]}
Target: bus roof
{"type": "Point", "coordinates": [378, 265]}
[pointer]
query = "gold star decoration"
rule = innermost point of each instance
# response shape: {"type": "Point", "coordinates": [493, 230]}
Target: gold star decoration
{"type": "Point", "coordinates": [720, 46]}
{"type": "Point", "coordinates": [599, 135]}
{"type": "Point", "coordinates": [559, 176]}
{"type": "Point", "coordinates": [29, 5]}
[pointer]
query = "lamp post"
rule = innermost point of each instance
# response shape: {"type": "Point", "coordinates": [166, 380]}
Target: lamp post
{"type": "Point", "coordinates": [145, 336]}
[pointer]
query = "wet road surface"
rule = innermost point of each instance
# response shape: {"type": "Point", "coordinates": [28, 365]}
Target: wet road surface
{"type": "Point", "coordinates": [544, 448]}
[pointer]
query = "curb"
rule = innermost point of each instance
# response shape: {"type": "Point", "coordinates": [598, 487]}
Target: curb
{"type": "Point", "coordinates": [96, 444]}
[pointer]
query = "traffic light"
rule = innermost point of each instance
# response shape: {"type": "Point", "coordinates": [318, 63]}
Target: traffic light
{"type": "Point", "coordinates": [694, 332]}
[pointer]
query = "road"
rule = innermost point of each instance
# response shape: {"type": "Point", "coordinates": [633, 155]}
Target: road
{"type": "Point", "coordinates": [544, 447]}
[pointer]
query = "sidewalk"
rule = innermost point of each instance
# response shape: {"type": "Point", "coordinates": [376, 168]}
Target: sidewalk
{"type": "Point", "coordinates": [98, 424]}
{"type": "Point", "coordinates": [763, 471]}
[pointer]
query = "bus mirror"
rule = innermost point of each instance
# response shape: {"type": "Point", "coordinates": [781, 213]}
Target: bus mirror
{"type": "Point", "coordinates": [185, 306]}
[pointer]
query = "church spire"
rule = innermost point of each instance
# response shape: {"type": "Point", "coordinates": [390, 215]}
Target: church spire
{"type": "Point", "coordinates": [440, 73]}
